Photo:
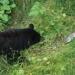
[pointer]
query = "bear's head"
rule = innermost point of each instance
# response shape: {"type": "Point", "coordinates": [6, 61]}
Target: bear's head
{"type": "Point", "coordinates": [34, 36]}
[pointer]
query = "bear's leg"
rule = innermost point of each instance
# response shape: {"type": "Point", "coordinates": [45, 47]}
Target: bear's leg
{"type": "Point", "coordinates": [12, 56]}
{"type": "Point", "coordinates": [16, 55]}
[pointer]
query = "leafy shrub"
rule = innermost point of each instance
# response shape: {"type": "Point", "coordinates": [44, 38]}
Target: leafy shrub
{"type": "Point", "coordinates": [36, 10]}
{"type": "Point", "coordinates": [5, 10]}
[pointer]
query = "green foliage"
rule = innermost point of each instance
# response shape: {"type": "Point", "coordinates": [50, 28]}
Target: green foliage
{"type": "Point", "coordinates": [68, 6]}
{"type": "Point", "coordinates": [5, 10]}
{"type": "Point", "coordinates": [36, 10]}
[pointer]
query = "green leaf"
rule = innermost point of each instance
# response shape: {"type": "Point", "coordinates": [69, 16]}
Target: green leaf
{"type": "Point", "coordinates": [13, 5]}
{"type": "Point", "coordinates": [4, 2]}
{"type": "Point", "coordinates": [1, 16]}
{"type": "Point", "coordinates": [5, 18]}
{"type": "Point", "coordinates": [2, 12]}
{"type": "Point", "coordinates": [8, 12]}
{"type": "Point", "coordinates": [6, 7]}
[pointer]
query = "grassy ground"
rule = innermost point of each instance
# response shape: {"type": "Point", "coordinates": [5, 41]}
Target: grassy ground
{"type": "Point", "coordinates": [51, 56]}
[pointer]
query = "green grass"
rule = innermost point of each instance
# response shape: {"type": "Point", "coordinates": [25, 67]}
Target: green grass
{"type": "Point", "coordinates": [51, 56]}
{"type": "Point", "coordinates": [48, 61]}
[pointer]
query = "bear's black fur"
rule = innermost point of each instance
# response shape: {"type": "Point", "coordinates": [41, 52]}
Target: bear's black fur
{"type": "Point", "coordinates": [14, 40]}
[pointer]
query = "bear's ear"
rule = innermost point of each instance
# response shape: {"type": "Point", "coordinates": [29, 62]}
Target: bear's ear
{"type": "Point", "coordinates": [31, 26]}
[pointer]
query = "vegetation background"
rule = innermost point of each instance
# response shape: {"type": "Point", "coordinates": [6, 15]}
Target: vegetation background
{"type": "Point", "coordinates": [54, 19]}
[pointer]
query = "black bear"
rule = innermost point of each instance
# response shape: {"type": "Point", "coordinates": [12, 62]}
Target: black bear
{"type": "Point", "coordinates": [15, 40]}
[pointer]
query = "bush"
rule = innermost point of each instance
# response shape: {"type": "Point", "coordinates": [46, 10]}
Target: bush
{"type": "Point", "coordinates": [5, 9]}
